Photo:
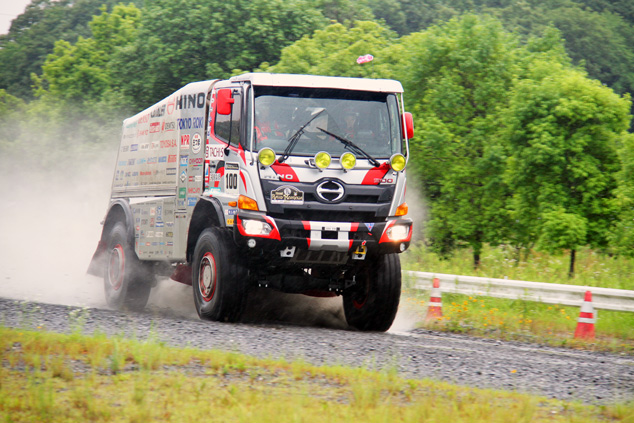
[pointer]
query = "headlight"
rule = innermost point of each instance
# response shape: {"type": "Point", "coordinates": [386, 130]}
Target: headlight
{"type": "Point", "coordinates": [256, 227]}
{"type": "Point", "coordinates": [398, 232]}
{"type": "Point", "coordinates": [397, 161]}
{"type": "Point", "coordinates": [322, 160]}
{"type": "Point", "coordinates": [266, 156]}
{"type": "Point", "coordinates": [348, 160]}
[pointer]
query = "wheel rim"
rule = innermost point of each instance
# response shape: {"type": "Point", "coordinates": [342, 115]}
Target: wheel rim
{"type": "Point", "coordinates": [116, 267]}
{"type": "Point", "coordinates": [359, 300]}
{"type": "Point", "coordinates": [207, 277]}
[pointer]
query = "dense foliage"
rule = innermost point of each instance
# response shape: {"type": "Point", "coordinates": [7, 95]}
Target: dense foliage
{"type": "Point", "coordinates": [522, 108]}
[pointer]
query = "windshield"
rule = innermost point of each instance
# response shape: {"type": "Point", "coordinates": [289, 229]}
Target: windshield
{"type": "Point", "coordinates": [306, 116]}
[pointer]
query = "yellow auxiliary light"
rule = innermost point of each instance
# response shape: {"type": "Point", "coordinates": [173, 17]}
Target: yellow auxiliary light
{"type": "Point", "coordinates": [397, 161]}
{"type": "Point", "coordinates": [266, 156]}
{"type": "Point", "coordinates": [348, 160]}
{"type": "Point", "coordinates": [322, 160]}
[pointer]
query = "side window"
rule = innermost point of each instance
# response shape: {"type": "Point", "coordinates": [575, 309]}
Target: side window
{"type": "Point", "coordinates": [227, 127]}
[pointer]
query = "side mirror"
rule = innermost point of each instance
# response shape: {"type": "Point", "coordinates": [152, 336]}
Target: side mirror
{"type": "Point", "coordinates": [224, 101]}
{"type": "Point", "coordinates": [409, 125]}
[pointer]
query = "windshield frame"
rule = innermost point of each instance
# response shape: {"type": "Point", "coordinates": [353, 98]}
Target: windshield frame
{"type": "Point", "coordinates": [382, 115]}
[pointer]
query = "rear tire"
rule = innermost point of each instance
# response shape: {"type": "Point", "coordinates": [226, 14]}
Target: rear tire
{"type": "Point", "coordinates": [127, 280]}
{"type": "Point", "coordinates": [371, 304]}
{"type": "Point", "coordinates": [218, 278]}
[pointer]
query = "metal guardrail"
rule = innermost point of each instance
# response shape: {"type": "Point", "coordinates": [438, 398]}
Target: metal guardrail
{"type": "Point", "coordinates": [550, 293]}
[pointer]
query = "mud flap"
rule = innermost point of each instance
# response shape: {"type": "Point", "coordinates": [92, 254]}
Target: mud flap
{"type": "Point", "coordinates": [96, 266]}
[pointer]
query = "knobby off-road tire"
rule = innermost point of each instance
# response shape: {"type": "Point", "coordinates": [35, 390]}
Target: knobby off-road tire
{"type": "Point", "coordinates": [372, 303]}
{"type": "Point", "coordinates": [219, 278]}
{"type": "Point", "coordinates": [127, 280]}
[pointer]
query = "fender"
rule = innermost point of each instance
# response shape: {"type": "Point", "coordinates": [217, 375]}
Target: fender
{"type": "Point", "coordinates": [118, 211]}
{"type": "Point", "coordinates": [208, 212]}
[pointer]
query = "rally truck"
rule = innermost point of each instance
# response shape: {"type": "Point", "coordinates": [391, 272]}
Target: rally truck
{"type": "Point", "coordinates": [289, 182]}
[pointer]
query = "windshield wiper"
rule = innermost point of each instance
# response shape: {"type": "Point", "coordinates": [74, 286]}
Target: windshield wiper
{"type": "Point", "coordinates": [292, 141]}
{"type": "Point", "coordinates": [352, 147]}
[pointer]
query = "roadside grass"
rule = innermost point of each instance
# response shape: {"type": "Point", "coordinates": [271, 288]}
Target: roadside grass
{"type": "Point", "coordinates": [592, 268]}
{"type": "Point", "coordinates": [525, 320]}
{"type": "Point", "coordinates": [48, 377]}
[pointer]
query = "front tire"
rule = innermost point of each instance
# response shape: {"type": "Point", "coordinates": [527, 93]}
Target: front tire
{"type": "Point", "coordinates": [127, 280]}
{"type": "Point", "coordinates": [219, 279]}
{"type": "Point", "coordinates": [371, 304]}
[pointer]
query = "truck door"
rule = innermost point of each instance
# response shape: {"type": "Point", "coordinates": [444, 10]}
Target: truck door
{"type": "Point", "coordinates": [225, 155]}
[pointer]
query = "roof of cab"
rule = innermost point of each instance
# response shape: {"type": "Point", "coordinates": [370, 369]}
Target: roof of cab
{"type": "Point", "coordinates": [315, 81]}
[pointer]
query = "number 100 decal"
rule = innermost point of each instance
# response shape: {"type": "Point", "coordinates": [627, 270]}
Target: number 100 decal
{"type": "Point", "coordinates": [232, 174]}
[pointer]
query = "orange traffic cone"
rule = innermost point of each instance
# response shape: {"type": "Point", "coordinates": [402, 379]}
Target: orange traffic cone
{"type": "Point", "coordinates": [434, 311]}
{"type": "Point", "coordinates": [585, 324]}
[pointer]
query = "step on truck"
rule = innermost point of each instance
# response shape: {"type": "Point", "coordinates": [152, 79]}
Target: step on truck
{"type": "Point", "coordinates": [290, 182]}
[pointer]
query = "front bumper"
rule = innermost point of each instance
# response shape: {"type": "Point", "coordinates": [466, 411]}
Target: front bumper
{"type": "Point", "coordinates": [392, 236]}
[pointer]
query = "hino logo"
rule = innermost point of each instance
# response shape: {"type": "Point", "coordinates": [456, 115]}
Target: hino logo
{"type": "Point", "coordinates": [330, 191]}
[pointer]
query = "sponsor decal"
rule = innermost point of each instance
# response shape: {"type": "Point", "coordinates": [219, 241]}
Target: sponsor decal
{"type": "Point", "coordinates": [191, 201]}
{"type": "Point", "coordinates": [171, 158]}
{"type": "Point", "coordinates": [142, 133]}
{"type": "Point", "coordinates": [185, 142]}
{"type": "Point", "coordinates": [134, 147]}
{"type": "Point", "coordinates": [125, 148]}
{"type": "Point", "coordinates": [191, 101]}
{"type": "Point", "coordinates": [369, 226]}
{"type": "Point", "coordinates": [196, 161]}
{"type": "Point", "coordinates": [182, 192]}
{"type": "Point", "coordinates": [214, 153]}
{"type": "Point", "coordinates": [155, 127]}
{"type": "Point", "coordinates": [169, 126]}
{"type": "Point", "coordinates": [193, 191]}
{"type": "Point", "coordinates": [171, 104]}
{"type": "Point", "coordinates": [189, 123]}
{"type": "Point", "coordinates": [169, 143]}
{"type": "Point", "coordinates": [231, 212]}
{"type": "Point", "coordinates": [287, 194]}
{"type": "Point", "coordinates": [162, 159]}
{"type": "Point", "coordinates": [152, 160]}
{"type": "Point", "coordinates": [145, 173]}
{"type": "Point", "coordinates": [184, 175]}
{"type": "Point", "coordinates": [184, 160]}
{"type": "Point", "coordinates": [158, 111]}
{"type": "Point", "coordinates": [154, 145]}
{"type": "Point", "coordinates": [141, 161]}
{"type": "Point", "coordinates": [196, 143]}
{"type": "Point", "coordinates": [145, 147]}
{"type": "Point", "coordinates": [170, 171]}
{"type": "Point", "coordinates": [144, 119]}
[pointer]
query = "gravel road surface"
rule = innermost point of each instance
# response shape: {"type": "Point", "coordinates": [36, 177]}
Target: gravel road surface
{"type": "Point", "coordinates": [277, 329]}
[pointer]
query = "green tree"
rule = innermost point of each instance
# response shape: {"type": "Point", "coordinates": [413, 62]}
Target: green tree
{"type": "Point", "coordinates": [343, 11]}
{"type": "Point", "coordinates": [190, 40]}
{"type": "Point", "coordinates": [563, 128]}
{"type": "Point", "coordinates": [33, 34]}
{"type": "Point", "coordinates": [334, 51]}
{"type": "Point", "coordinates": [81, 73]}
{"type": "Point", "coordinates": [458, 76]}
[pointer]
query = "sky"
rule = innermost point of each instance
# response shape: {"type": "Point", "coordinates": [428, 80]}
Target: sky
{"type": "Point", "coordinates": [9, 10]}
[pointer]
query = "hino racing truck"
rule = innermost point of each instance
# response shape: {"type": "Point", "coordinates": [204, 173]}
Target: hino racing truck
{"type": "Point", "coordinates": [290, 182]}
